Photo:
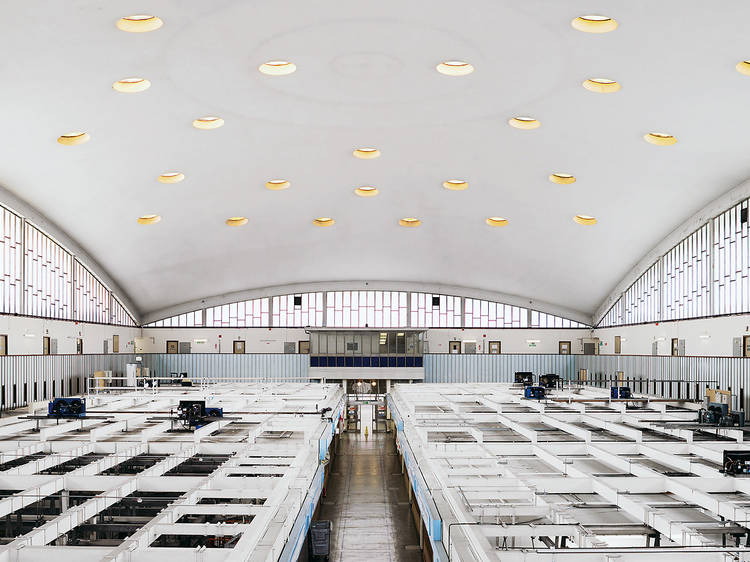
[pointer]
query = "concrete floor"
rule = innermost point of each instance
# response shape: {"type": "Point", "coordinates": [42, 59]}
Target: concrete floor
{"type": "Point", "coordinates": [368, 504]}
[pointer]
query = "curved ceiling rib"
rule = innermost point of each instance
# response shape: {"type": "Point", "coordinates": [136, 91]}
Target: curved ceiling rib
{"type": "Point", "coordinates": [28, 212]}
{"type": "Point", "coordinates": [436, 288]}
{"type": "Point", "coordinates": [714, 208]}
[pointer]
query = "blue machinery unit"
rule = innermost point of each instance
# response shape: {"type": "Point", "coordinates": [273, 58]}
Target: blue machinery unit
{"type": "Point", "coordinates": [620, 392]}
{"type": "Point", "coordinates": [534, 392]}
{"type": "Point", "coordinates": [67, 408]}
{"type": "Point", "coordinates": [719, 415]}
{"type": "Point", "coordinates": [525, 378]}
{"type": "Point", "coordinates": [193, 413]}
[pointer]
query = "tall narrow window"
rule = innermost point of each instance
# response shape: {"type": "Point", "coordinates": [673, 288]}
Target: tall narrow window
{"type": "Point", "coordinates": [11, 262]}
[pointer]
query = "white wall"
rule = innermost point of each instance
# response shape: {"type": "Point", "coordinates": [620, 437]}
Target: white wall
{"type": "Point", "coordinates": [25, 335]}
{"type": "Point", "coordinates": [219, 340]}
{"type": "Point", "coordinates": [264, 340]}
{"type": "Point", "coordinates": [709, 336]}
{"type": "Point", "coordinates": [512, 340]}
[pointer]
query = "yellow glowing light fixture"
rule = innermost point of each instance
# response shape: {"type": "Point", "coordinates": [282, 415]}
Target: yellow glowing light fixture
{"type": "Point", "coordinates": [456, 185]}
{"type": "Point", "coordinates": [236, 221]}
{"type": "Point", "coordinates": [660, 139]}
{"type": "Point", "coordinates": [277, 67]}
{"type": "Point", "coordinates": [586, 220]}
{"type": "Point", "coordinates": [73, 139]}
{"type": "Point", "coordinates": [409, 222]}
{"type": "Point", "coordinates": [208, 122]}
{"type": "Point", "coordinates": [526, 123]}
{"type": "Point", "coordinates": [277, 185]}
{"type": "Point", "coordinates": [743, 67]}
{"type": "Point", "coordinates": [601, 85]}
{"type": "Point", "coordinates": [149, 219]}
{"type": "Point", "coordinates": [131, 85]}
{"type": "Point", "coordinates": [496, 221]}
{"type": "Point", "coordinates": [366, 191]}
{"type": "Point", "coordinates": [455, 68]}
{"type": "Point", "coordinates": [139, 23]}
{"type": "Point", "coordinates": [366, 153]}
{"type": "Point", "coordinates": [562, 179]}
{"type": "Point", "coordinates": [594, 24]}
{"type": "Point", "coordinates": [171, 177]}
{"type": "Point", "coordinates": [323, 221]}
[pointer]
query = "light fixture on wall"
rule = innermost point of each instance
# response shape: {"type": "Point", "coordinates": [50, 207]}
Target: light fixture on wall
{"type": "Point", "coordinates": [660, 338]}
{"type": "Point", "coordinates": [29, 335]}
{"type": "Point", "coordinates": [200, 341]}
{"type": "Point", "coordinates": [533, 341]}
{"type": "Point", "coordinates": [705, 336]}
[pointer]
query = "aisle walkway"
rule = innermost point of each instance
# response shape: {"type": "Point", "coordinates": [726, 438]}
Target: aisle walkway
{"type": "Point", "coordinates": [368, 503]}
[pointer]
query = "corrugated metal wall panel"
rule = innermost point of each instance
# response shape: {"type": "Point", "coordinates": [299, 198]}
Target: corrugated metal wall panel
{"type": "Point", "coordinates": [270, 367]}
{"type": "Point", "coordinates": [66, 374]}
{"type": "Point", "coordinates": [662, 375]}
{"type": "Point", "coordinates": [674, 377]}
{"type": "Point", "coordinates": [444, 368]}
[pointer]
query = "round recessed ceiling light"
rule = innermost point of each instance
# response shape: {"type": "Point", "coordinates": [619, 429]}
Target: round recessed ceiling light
{"type": "Point", "coordinates": [409, 221]}
{"type": "Point", "coordinates": [456, 185]}
{"type": "Point", "coordinates": [171, 177]}
{"type": "Point", "coordinates": [209, 122]}
{"type": "Point", "coordinates": [524, 123]}
{"type": "Point", "coordinates": [366, 153]}
{"type": "Point", "coordinates": [366, 191]}
{"type": "Point", "coordinates": [594, 24]}
{"type": "Point", "coordinates": [323, 221]}
{"type": "Point", "coordinates": [601, 85]}
{"type": "Point", "coordinates": [73, 139]}
{"type": "Point", "coordinates": [236, 221]}
{"type": "Point", "coordinates": [277, 67]}
{"type": "Point", "coordinates": [496, 221]}
{"type": "Point", "coordinates": [743, 67]}
{"type": "Point", "coordinates": [139, 23]}
{"type": "Point", "coordinates": [562, 178]}
{"type": "Point", "coordinates": [131, 85]}
{"type": "Point", "coordinates": [455, 68]}
{"type": "Point", "coordinates": [586, 220]}
{"type": "Point", "coordinates": [277, 185]}
{"type": "Point", "coordinates": [149, 219]}
{"type": "Point", "coordinates": [660, 139]}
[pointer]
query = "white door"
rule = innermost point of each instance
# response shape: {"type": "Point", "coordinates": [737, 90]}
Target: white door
{"type": "Point", "coordinates": [366, 413]}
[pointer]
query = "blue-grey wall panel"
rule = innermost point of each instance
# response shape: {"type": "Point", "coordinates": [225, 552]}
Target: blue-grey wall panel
{"type": "Point", "coordinates": [444, 368]}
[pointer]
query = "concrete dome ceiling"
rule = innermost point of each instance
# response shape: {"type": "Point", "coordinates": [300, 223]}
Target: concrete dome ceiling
{"type": "Point", "coordinates": [366, 77]}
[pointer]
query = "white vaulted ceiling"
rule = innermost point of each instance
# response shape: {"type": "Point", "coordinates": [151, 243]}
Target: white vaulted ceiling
{"type": "Point", "coordinates": [366, 77]}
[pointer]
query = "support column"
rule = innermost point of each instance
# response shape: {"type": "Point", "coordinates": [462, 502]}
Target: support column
{"type": "Point", "coordinates": [22, 273]}
{"type": "Point", "coordinates": [324, 323]}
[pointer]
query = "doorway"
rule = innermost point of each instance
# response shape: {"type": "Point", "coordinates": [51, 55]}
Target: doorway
{"type": "Point", "coordinates": [115, 344]}
{"type": "Point", "coordinates": [495, 348]}
{"type": "Point", "coordinates": [304, 347]}
{"type": "Point", "coordinates": [79, 346]}
{"type": "Point", "coordinates": [45, 345]}
{"type": "Point", "coordinates": [454, 347]}
{"type": "Point", "coordinates": [563, 348]}
{"type": "Point", "coordinates": [3, 345]}
{"type": "Point", "coordinates": [238, 347]}
{"type": "Point", "coordinates": [746, 345]}
{"type": "Point", "coordinates": [618, 344]}
{"type": "Point", "coordinates": [675, 347]}
{"type": "Point", "coordinates": [173, 347]}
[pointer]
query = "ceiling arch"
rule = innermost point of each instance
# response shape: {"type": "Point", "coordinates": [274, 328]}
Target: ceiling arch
{"type": "Point", "coordinates": [366, 77]}
{"type": "Point", "coordinates": [299, 288]}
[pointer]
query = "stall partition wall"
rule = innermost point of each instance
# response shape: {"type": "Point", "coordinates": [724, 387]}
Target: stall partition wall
{"type": "Point", "coordinates": [22, 377]}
